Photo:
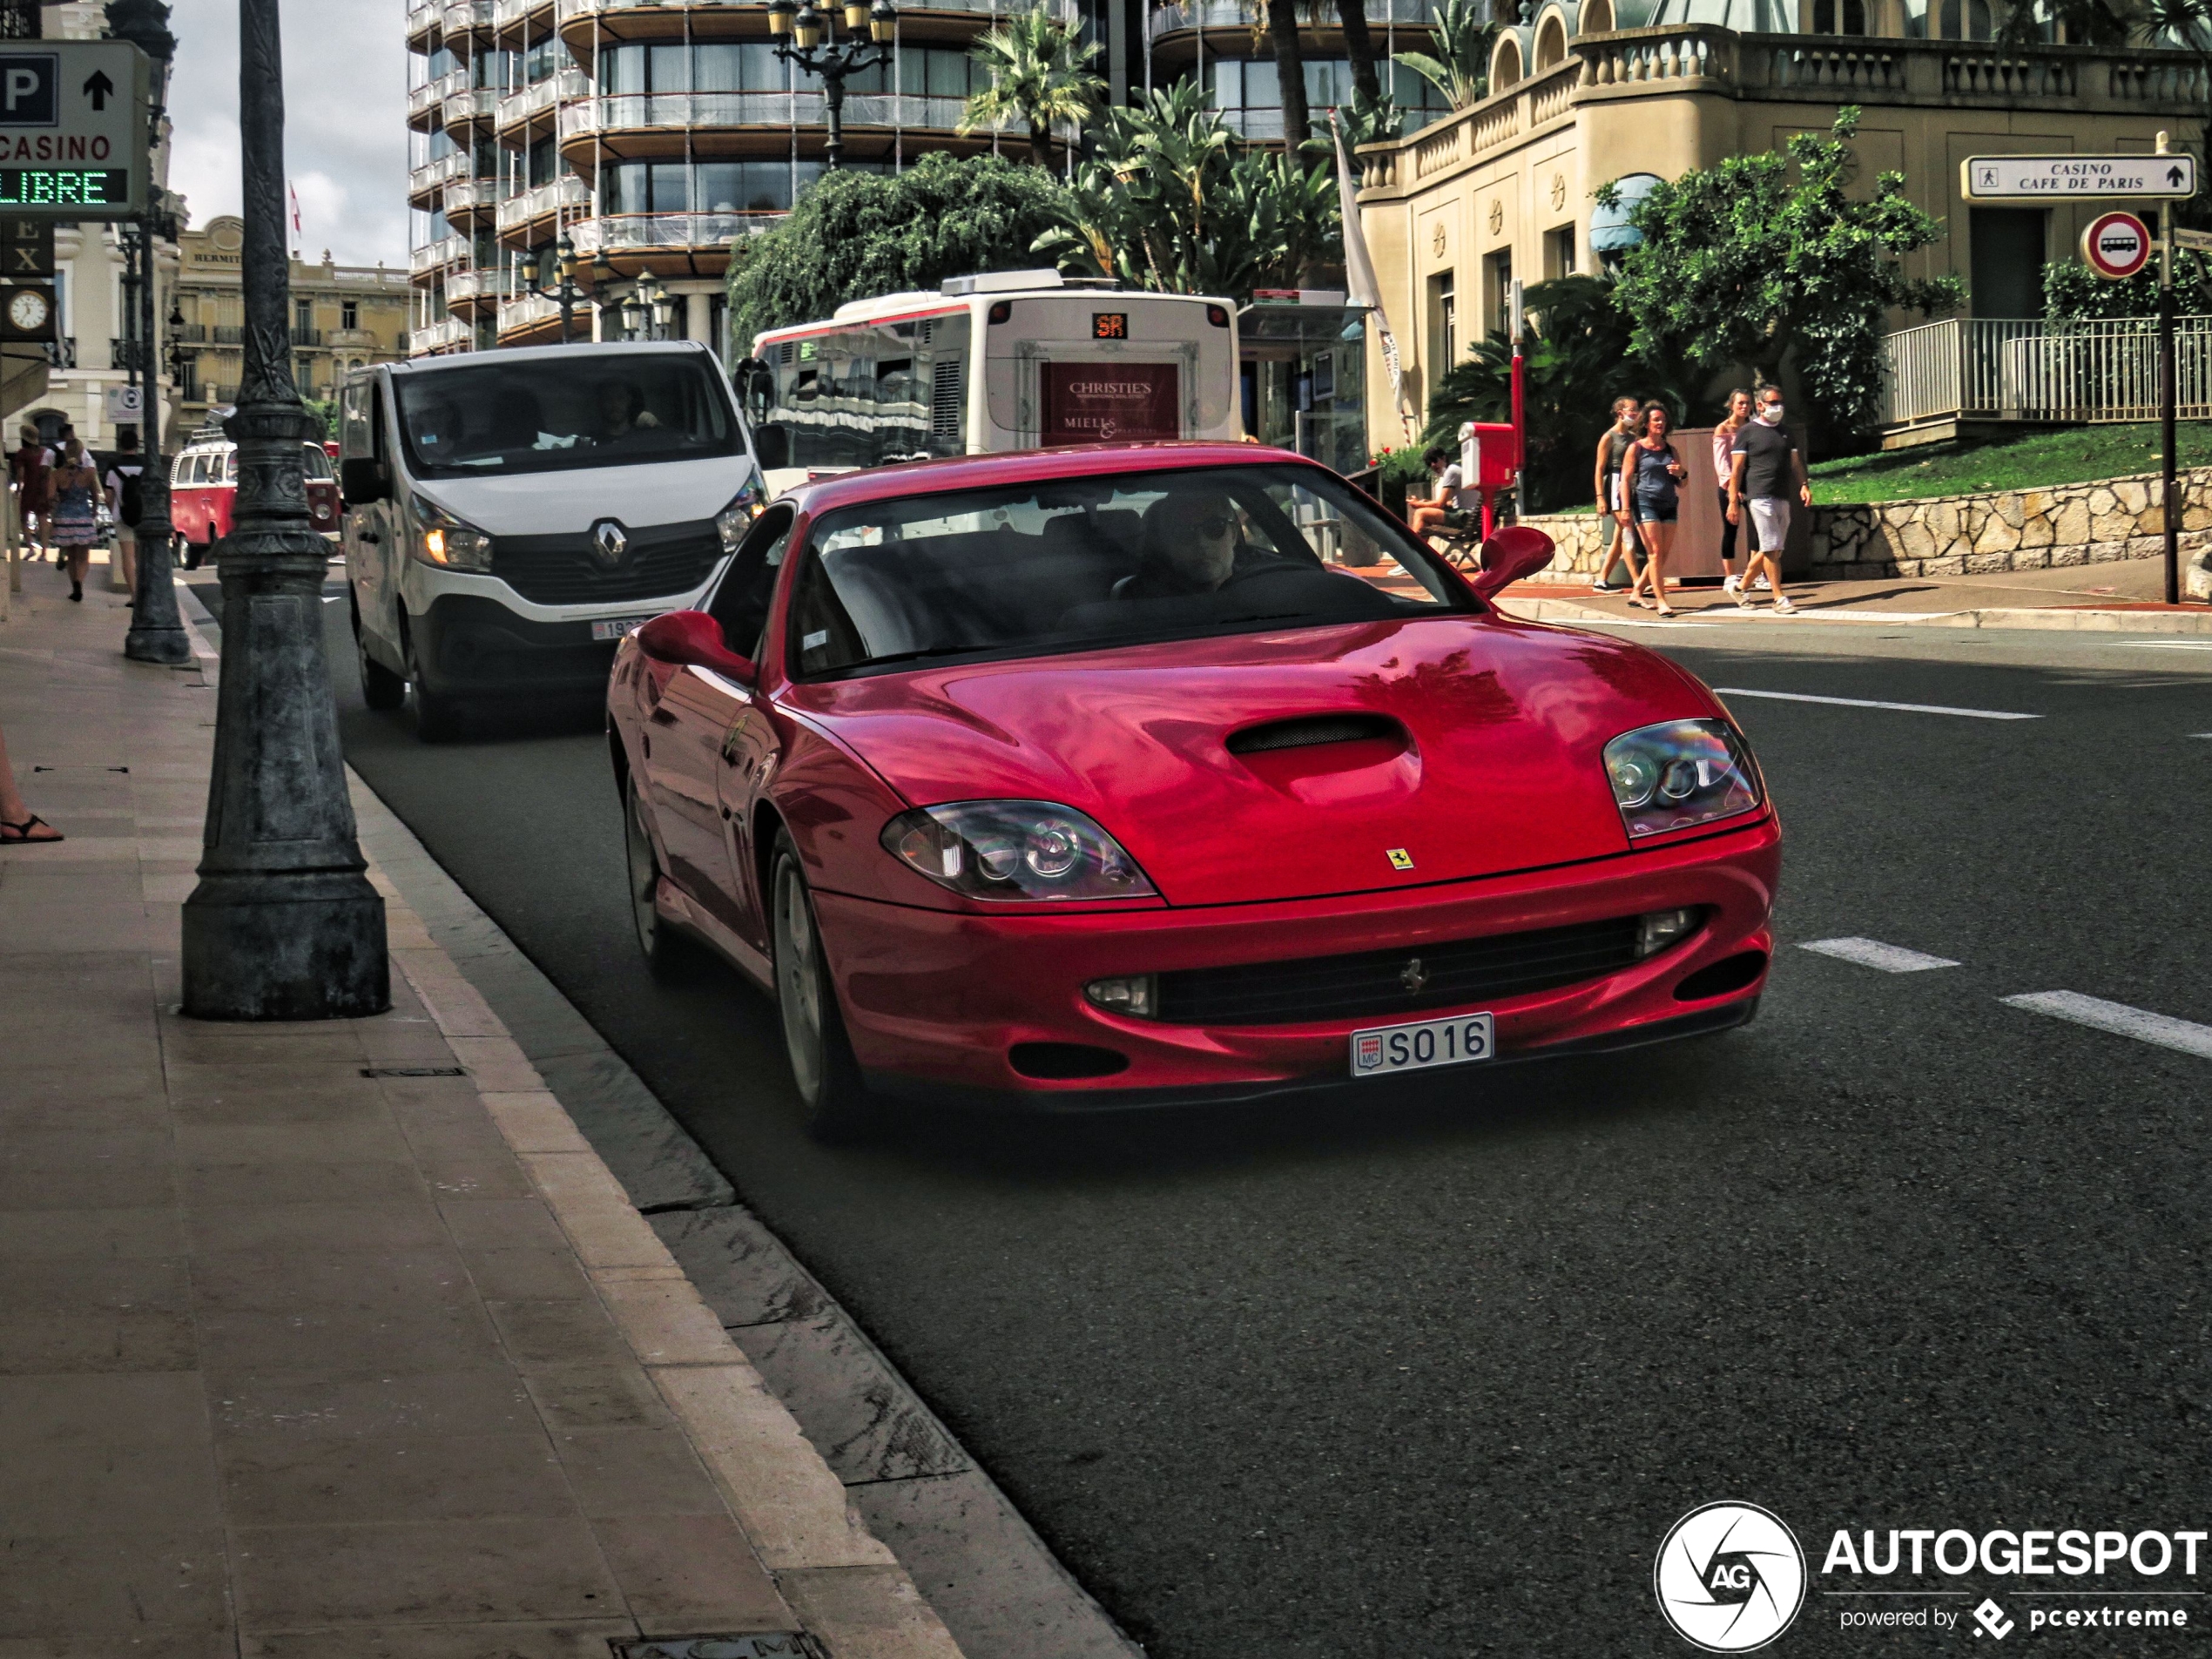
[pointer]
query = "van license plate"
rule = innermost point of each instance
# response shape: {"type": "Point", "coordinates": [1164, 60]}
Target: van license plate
{"type": "Point", "coordinates": [618, 627]}
{"type": "Point", "coordinates": [1422, 1044]}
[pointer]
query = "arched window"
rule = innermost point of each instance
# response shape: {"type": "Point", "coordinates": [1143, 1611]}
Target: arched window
{"type": "Point", "coordinates": [1597, 17]}
{"type": "Point", "coordinates": [1551, 43]}
{"type": "Point", "coordinates": [1504, 65]}
{"type": "Point", "coordinates": [1850, 14]}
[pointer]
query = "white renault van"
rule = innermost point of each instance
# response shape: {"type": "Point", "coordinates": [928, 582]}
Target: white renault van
{"type": "Point", "coordinates": [511, 515]}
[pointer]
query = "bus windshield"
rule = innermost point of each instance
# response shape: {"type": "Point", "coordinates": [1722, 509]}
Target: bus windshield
{"type": "Point", "coordinates": [498, 418]}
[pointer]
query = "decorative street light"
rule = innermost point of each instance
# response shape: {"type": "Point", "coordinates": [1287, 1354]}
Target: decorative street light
{"type": "Point", "coordinates": [809, 26]}
{"type": "Point", "coordinates": [157, 632]}
{"type": "Point", "coordinates": [284, 924]}
{"type": "Point", "coordinates": [565, 291]}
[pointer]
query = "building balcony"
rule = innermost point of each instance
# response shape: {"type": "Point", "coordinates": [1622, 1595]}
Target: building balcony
{"type": "Point", "coordinates": [426, 103]}
{"type": "Point", "coordinates": [62, 353]}
{"type": "Point", "coordinates": [466, 23]}
{"type": "Point", "coordinates": [472, 293]}
{"type": "Point", "coordinates": [524, 219]}
{"type": "Point", "coordinates": [515, 16]}
{"type": "Point", "coordinates": [436, 256]}
{"type": "Point", "coordinates": [427, 182]}
{"type": "Point", "coordinates": [650, 121]}
{"type": "Point", "coordinates": [669, 245]}
{"type": "Point", "coordinates": [585, 25]}
{"type": "Point", "coordinates": [466, 114]}
{"type": "Point", "coordinates": [422, 20]}
{"type": "Point", "coordinates": [529, 312]}
{"type": "Point", "coordinates": [522, 114]}
{"type": "Point", "coordinates": [352, 340]}
{"type": "Point", "coordinates": [471, 202]}
{"type": "Point", "coordinates": [448, 333]}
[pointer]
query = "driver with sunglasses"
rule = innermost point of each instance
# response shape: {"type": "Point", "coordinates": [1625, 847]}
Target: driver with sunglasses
{"type": "Point", "coordinates": [1191, 545]}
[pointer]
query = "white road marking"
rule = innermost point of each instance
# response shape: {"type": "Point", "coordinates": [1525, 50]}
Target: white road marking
{"type": "Point", "coordinates": [331, 598]}
{"type": "Point", "coordinates": [2169, 645]}
{"type": "Point", "coordinates": [1863, 702]}
{"type": "Point", "coordinates": [1630, 622]}
{"type": "Point", "coordinates": [1872, 952]}
{"type": "Point", "coordinates": [2183, 1036]}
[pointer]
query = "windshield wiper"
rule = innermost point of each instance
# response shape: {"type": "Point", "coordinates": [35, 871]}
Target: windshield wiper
{"type": "Point", "coordinates": [1270, 615]}
{"type": "Point", "coordinates": [927, 650]}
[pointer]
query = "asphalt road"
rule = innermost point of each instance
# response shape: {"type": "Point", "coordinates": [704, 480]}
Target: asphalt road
{"type": "Point", "coordinates": [1431, 1371]}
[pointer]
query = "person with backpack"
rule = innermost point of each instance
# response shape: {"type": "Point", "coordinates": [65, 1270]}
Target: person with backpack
{"type": "Point", "coordinates": [126, 500]}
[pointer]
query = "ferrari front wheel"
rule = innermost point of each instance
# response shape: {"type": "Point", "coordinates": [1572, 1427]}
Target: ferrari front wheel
{"type": "Point", "coordinates": [831, 1093]}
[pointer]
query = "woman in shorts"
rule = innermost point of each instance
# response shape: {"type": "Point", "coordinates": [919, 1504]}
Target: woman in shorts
{"type": "Point", "coordinates": [1651, 478]}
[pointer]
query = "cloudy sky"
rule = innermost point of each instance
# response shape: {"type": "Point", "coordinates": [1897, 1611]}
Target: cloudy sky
{"type": "Point", "coordinates": [345, 72]}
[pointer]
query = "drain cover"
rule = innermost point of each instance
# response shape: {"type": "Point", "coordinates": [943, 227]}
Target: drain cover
{"type": "Point", "coordinates": [413, 1071]}
{"type": "Point", "coordinates": [778, 1645]}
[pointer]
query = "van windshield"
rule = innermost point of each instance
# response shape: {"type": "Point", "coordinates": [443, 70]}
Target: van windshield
{"type": "Point", "coordinates": [493, 418]}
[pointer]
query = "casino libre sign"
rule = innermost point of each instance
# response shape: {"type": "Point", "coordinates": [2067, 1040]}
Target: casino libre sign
{"type": "Point", "coordinates": [72, 130]}
{"type": "Point", "coordinates": [1112, 402]}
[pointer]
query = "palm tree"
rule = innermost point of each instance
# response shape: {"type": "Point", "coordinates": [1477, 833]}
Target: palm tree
{"type": "Point", "coordinates": [1463, 35]}
{"type": "Point", "coordinates": [1040, 75]}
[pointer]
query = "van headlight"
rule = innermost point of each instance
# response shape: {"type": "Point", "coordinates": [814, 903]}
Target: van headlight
{"type": "Point", "coordinates": [443, 540]}
{"type": "Point", "coordinates": [1681, 773]}
{"type": "Point", "coordinates": [731, 522]}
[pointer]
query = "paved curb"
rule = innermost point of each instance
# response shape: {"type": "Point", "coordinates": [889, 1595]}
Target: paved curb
{"type": "Point", "coordinates": [846, 1586]}
{"type": "Point", "coordinates": [2193, 622]}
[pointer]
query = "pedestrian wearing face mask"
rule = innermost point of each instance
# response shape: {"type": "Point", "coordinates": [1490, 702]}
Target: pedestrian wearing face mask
{"type": "Point", "coordinates": [1769, 468]}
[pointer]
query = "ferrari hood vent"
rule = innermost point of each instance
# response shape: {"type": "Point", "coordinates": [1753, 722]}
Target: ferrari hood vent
{"type": "Point", "coordinates": [1306, 730]}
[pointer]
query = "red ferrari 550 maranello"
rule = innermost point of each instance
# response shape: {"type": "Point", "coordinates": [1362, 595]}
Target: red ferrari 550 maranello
{"type": "Point", "coordinates": [1131, 774]}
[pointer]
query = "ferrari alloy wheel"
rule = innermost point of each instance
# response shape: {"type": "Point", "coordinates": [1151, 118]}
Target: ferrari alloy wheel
{"type": "Point", "coordinates": [667, 952]}
{"type": "Point", "coordinates": [380, 688]}
{"type": "Point", "coordinates": [828, 1078]}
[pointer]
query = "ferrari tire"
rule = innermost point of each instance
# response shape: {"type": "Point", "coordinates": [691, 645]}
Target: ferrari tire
{"type": "Point", "coordinates": [380, 688]}
{"type": "Point", "coordinates": [437, 718]}
{"type": "Point", "coordinates": [669, 956]}
{"type": "Point", "coordinates": [832, 1097]}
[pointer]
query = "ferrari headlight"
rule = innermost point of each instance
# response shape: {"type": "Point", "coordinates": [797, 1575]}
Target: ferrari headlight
{"type": "Point", "coordinates": [1681, 773]}
{"type": "Point", "coordinates": [443, 540]}
{"type": "Point", "coordinates": [1014, 849]}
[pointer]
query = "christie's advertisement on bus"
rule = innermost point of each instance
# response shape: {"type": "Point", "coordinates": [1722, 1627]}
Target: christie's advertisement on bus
{"type": "Point", "coordinates": [1017, 360]}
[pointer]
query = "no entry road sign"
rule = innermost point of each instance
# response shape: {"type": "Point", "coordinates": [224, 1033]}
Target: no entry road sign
{"type": "Point", "coordinates": [2116, 245]}
{"type": "Point", "coordinates": [73, 130]}
{"type": "Point", "coordinates": [2155, 178]}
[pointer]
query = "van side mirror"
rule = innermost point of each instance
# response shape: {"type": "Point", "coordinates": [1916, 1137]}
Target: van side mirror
{"type": "Point", "coordinates": [693, 639]}
{"type": "Point", "coordinates": [1510, 554]}
{"type": "Point", "coordinates": [771, 447]}
{"type": "Point", "coordinates": [364, 479]}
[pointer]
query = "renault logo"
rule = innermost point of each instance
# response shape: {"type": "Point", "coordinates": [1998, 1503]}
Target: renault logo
{"type": "Point", "coordinates": [609, 542]}
{"type": "Point", "coordinates": [1413, 976]}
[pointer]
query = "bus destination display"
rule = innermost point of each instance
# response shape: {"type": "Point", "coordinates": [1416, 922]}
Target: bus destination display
{"type": "Point", "coordinates": [1109, 325]}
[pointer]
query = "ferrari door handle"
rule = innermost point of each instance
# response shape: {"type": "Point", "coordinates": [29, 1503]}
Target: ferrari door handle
{"type": "Point", "coordinates": [725, 812]}
{"type": "Point", "coordinates": [370, 535]}
{"type": "Point", "coordinates": [662, 717]}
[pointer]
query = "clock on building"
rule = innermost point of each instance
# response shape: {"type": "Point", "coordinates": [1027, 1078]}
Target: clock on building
{"type": "Point", "coordinates": [27, 314]}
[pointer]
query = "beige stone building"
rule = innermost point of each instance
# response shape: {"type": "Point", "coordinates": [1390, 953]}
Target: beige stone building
{"type": "Point", "coordinates": [343, 316]}
{"type": "Point", "coordinates": [1506, 188]}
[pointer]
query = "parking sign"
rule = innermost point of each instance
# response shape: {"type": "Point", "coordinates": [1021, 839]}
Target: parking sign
{"type": "Point", "coordinates": [73, 130]}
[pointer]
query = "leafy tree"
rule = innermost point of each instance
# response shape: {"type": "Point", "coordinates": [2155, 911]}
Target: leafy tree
{"type": "Point", "coordinates": [1366, 120]}
{"type": "Point", "coordinates": [1744, 264]}
{"type": "Point", "coordinates": [2086, 22]}
{"type": "Point", "coordinates": [2072, 291]}
{"type": "Point", "coordinates": [1464, 31]}
{"type": "Point", "coordinates": [325, 410]}
{"type": "Point", "coordinates": [1575, 359]}
{"type": "Point", "coordinates": [857, 234]}
{"type": "Point", "coordinates": [1040, 75]}
{"type": "Point", "coordinates": [1169, 201]}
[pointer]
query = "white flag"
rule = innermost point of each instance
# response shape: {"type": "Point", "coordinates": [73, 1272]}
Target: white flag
{"type": "Point", "coordinates": [1360, 274]}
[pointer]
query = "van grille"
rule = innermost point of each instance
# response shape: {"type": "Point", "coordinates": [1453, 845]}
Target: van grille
{"type": "Point", "coordinates": [661, 562]}
{"type": "Point", "coordinates": [1376, 984]}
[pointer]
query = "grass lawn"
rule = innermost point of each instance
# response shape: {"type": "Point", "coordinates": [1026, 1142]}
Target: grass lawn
{"type": "Point", "coordinates": [2038, 459]}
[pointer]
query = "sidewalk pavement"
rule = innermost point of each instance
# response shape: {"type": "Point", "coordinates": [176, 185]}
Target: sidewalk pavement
{"type": "Point", "coordinates": [333, 1340]}
{"type": "Point", "coordinates": [2125, 597]}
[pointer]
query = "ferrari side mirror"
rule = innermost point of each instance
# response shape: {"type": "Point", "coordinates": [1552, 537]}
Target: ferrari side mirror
{"type": "Point", "coordinates": [1510, 554]}
{"type": "Point", "coordinates": [693, 639]}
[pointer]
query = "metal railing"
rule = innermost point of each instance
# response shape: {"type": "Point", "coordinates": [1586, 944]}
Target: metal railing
{"type": "Point", "coordinates": [637, 111]}
{"type": "Point", "coordinates": [463, 287]}
{"type": "Point", "coordinates": [230, 333]}
{"type": "Point", "coordinates": [531, 309]}
{"type": "Point", "coordinates": [62, 353]}
{"type": "Point", "coordinates": [441, 335]}
{"type": "Point", "coordinates": [461, 17]}
{"type": "Point", "coordinates": [621, 233]}
{"type": "Point", "coordinates": [431, 95]}
{"type": "Point", "coordinates": [447, 250]}
{"type": "Point", "coordinates": [567, 191]}
{"type": "Point", "coordinates": [1242, 14]}
{"type": "Point", "coordinates": [517, 108]}
{"type": "Point", "coordinates": [436, 175]}
{"type": "Point", "coordinates": [1999, 369]}
{"type": "Point", "coordinates": [505, 14]}
{"type": "Point", "coordinates": [471, 196]}
{"type": "Point", "coordinates": [422, 19]}
{"type": "Point", "coordinates": [465, 109]}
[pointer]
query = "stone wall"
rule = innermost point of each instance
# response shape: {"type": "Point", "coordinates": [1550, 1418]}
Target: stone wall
{"type": "Point", "coordinates": [1979, 534]}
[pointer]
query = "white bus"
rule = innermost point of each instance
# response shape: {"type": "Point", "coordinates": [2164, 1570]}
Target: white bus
{"type": "Point", "coordinates": [1017, 360]}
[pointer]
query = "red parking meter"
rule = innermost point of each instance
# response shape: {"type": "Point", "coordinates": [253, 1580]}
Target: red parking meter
{"type": "Point", "coordinates": [1489, 461]}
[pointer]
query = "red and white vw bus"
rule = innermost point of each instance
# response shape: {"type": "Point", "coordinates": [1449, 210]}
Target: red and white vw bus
{"type": "Point", "coordinates": [203, 489]}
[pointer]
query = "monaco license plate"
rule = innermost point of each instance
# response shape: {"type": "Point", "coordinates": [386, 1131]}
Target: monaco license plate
{"type": "Point", "coordinates": [617, 627]}
{"type": "Point", "coordinates": [1422, 1044]}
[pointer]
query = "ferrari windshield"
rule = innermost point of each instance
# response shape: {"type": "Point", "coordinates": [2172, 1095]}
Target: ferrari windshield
{"type": "Point", "coordinates": [1070, 563]}
{"type": "Point", "coordinates": [494, 419]}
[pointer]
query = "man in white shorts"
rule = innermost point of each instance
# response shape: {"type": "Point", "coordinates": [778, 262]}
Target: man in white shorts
{"type": "Point", "coordinates": [1769, 467]}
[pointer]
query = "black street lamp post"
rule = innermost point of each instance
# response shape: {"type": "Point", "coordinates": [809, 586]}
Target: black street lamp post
{"type": "Point", "coordinates": [565, 291]}
{"type": "Point", "coordinates": [834, 62]}
{"type": "Point", "coordinates": [157, 630]}
{"type": "Point", "coordinates": [284, 924]}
